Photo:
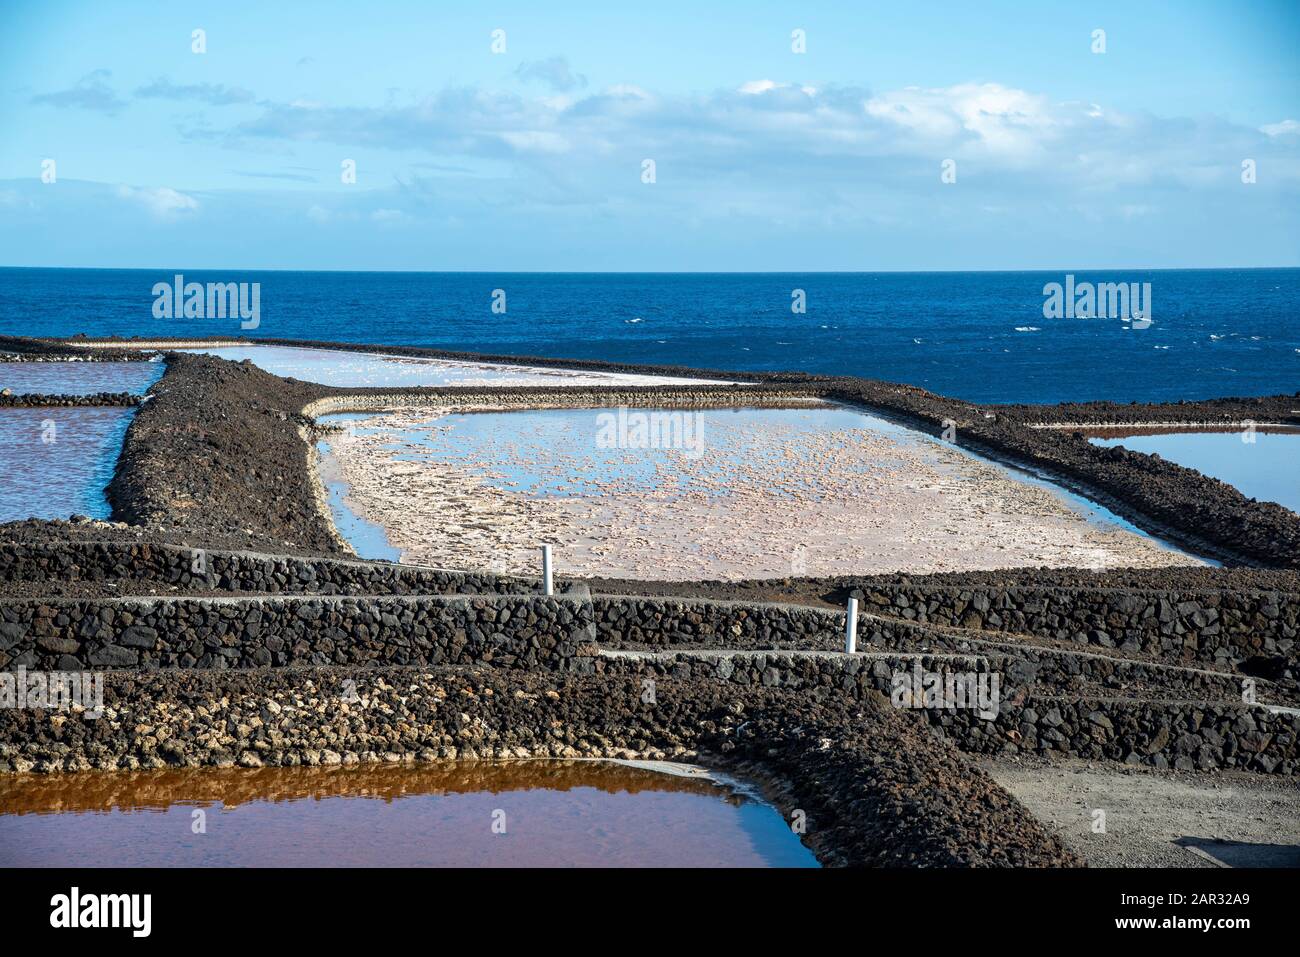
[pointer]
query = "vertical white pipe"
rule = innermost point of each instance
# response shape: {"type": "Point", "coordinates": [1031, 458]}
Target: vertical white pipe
{"type": "Point", "coordinates": [548, 583]}
{"type": "Point", "coordinates": [851, 627]}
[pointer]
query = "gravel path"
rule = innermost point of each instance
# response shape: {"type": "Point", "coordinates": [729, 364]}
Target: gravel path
{"type": "Point", "coordinates": [1155, 818]}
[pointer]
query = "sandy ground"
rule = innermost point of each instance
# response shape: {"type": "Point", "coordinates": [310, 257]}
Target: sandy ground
{"type": "Point", "coordinates": [1159, 818]}
{"type": "Point", "coordinates": [758, 499]}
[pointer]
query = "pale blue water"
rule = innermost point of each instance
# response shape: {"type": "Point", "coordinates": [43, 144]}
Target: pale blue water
{"type": "Point", "coordinates": [343, 368]}
{"type": "Point", "coordinates": [1216, 332]}
{"type": "Point", "coordinates": [367, 539]}
{"type": "Point", "coordinates": [55, 463]}
{"type": "Point", "coordinates": [79, 378]}
{"type": "Point", "coordinates": [507, 449]}
{"type": "Point", "coordinates": [1267, 468]}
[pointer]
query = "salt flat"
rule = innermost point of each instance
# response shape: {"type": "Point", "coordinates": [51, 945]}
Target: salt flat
{"type": "Point", "coordinates": [757, 493]}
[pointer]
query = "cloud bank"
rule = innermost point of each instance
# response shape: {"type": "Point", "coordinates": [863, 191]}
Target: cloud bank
{"type": "Point", "coordinates": [770, 172]}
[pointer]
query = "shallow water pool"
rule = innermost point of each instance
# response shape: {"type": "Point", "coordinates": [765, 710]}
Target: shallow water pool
{"type": "Point", "coordinates": [55, 463]}
{"type": "Point", "coordinates": [367, 539]}
{"type": "Point", "coordinates": [1262, 465]}
{"type": "Point", "coordinates": [449, 814]}
{"type": "Point", "coordinates": [344, 368]}
{"type": "Point", "coordinates": [79, 378]}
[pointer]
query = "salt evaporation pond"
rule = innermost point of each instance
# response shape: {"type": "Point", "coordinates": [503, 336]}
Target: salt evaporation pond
{"type": "Point", "coordinates": [554, 814]}
{"type": "Point", "coordinates": [79, 378]}
{"type": "Point", "coordinates": [367, 539]}
{"type": "Point", "coordinates": [1267, 468]}
{"type": "Point", "coordinates": [345, 368]}
{"type": "Point", "coordinates": [816, 490]}
{"type": "Point", "coordinates": [55, 462]}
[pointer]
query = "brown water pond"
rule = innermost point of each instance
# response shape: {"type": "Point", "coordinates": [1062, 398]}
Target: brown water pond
{"type": "Point", "coordinates": [452, 814]}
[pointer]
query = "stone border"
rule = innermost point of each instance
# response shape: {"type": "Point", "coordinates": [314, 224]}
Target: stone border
{"type": "Point", "coordinates": [1226, 426]}
{"type": "Point", "coordinates": [1252, 630]}
{"type": "Point", "coordinates": [1166, 499]}
{"type": "Point", "coordinates": [568, 397]}
{"type": "Point", "coordinates": [1186, 736]}
{"type": "Point", "coordinates": [789, 646]}
{"type": "Point", "coordinates": [261, 573]}
{"type": "Point", "coordinates": [875, 789]}
{"type": "Point", "coordinates": [45, 400]}
{"type": "Point", "coordinates": [1238, 630]}
{"type": "Point", "coordinates": [636, 623]}
{"type": "Point", "coordinates": [216, 457]}
{"type": "Point", "coordinates": [25, 349]}
{"type": "Point", "coordinates": [513, 631]}
{"type": "Point", "coordinates": [1277, 409]}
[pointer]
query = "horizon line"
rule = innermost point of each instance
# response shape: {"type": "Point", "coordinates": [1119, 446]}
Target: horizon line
{"type": "Point", "coordinates": [661, 272]}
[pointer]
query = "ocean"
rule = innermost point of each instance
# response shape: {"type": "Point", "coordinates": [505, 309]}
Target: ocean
{"type": "Point", "coordinates": [981, 336]}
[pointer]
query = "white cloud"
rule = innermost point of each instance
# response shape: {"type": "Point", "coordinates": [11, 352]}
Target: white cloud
{"type": "Point", "coordinates": [1001, 120]}
{"type": "Point", "coordinates": [771, 148]}
{"type": "Point", "coordinates": [91, 92]}
{"type": "Point", "coordinates": [1285, 128]}
{"type": "Point", "coordinates": [163, 202]}
{"type": "Point", "coordinates": [214, 94]}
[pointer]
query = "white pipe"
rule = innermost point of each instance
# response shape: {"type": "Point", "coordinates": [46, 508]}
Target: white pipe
{"type": "Point", "coordinates": [851, 627]}
{"type": "Point", "coordinates": [548, 583]}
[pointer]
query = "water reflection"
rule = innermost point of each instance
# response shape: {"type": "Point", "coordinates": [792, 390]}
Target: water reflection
{"type": "Point", "coordinates": [79, 378]}
{"type": "Point", "coordinates": [344, 368]}
{"type": "Point", "coordinates": [554, 813]}
{"type": "Point", "coordinates": [57, 462]}
{"type": "Point", "coordinates": [1262, 463]}
{"type": "Point", "coordinates": [578, 476]}
{"type": "Point", "coordinates": [367, 539]}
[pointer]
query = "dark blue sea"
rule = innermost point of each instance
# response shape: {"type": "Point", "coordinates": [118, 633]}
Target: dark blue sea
{"type": "Point", "coordinates": [981, 336]}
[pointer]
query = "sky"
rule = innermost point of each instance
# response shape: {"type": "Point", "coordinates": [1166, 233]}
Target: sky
{"type": "Point", "coordinates": [942, 135]}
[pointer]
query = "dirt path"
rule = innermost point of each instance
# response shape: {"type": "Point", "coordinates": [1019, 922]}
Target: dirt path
{"type": "Point", "coordinates": [1159, 819]}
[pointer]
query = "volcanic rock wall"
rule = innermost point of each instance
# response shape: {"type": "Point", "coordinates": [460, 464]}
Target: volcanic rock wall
{"type": "Point", "coordinates": [204, 633]}
{"type": "Point", "coordinates": [1103, 717]}
{"type": "Point", "coordinates": [1250, 630]}
{"type": "Point", "coordinates": [886, 794]}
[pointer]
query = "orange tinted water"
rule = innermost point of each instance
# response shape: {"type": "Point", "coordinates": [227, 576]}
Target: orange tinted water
{"type": "Point", "coordinates": [486, 814]}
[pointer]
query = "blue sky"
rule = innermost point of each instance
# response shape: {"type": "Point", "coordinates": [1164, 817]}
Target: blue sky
{"type": "Point", "coordinates": [765, 159]}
